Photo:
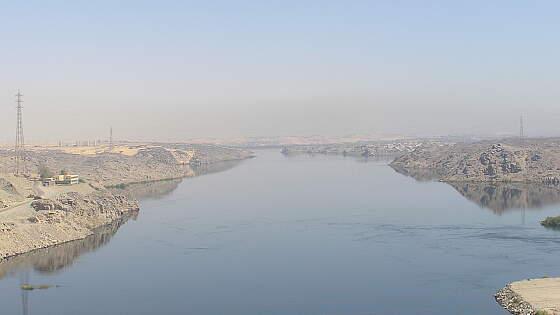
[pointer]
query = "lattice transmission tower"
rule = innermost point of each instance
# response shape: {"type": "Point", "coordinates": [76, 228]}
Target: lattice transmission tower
{"type": "Point", "coordinates": [20, 166]}
{"type": "Point", "coordinates": [521, 131]}
{"type": "Point", "coordinates": [111, 138]}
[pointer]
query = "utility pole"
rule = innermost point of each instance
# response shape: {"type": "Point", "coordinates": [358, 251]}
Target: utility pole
{"type": "Point", "coordinates": [111, 138]}
{"type": "Point", "coordinates": [521, 131]}
{"type": "Point", "coordinates": [19, 151]}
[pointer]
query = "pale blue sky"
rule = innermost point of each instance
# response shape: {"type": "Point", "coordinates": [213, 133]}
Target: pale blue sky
{"type": "Point", "coordinates": [180, 69]}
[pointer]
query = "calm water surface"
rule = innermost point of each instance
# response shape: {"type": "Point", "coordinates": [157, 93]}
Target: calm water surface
{"type": "Point", "coordinates": [298, 235]}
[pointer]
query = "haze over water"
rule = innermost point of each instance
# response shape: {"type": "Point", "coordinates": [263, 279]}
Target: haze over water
{"type": "Point", "coordinates": [296, 235]}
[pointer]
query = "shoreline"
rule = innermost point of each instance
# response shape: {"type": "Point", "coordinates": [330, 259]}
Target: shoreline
{"type": "Point", "coordinates": [435, 175]}
{"type": "Point", "coordinates": [532, 296]}
{"type": "Point", "coordinates": [513, 302]}
{"type": "Point", "coordinates": [71, 216]}
{"type": "Point", "coordinates": [117, 221]}
{"type": "Point", "coordinates": [61, 255]}
{"type": "Point", "coordinates": [75, 220]}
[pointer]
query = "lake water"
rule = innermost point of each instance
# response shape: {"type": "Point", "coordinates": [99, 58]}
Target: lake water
{"type": "Point", "coordinates": [298, 235]}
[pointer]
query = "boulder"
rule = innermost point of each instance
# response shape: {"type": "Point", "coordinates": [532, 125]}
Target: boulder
{"type": "Point", "coordinates": [46, 204]}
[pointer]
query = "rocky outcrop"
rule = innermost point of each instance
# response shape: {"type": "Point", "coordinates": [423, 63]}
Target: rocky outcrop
{"type": "Point", "coordinates": [151, 162]}
{"type": "Point", "coordinates": [507, 161]}
{"type": "Point", "coordinates": [71, 216]}
{"type": "Point", "coordinates": [46, 204]}
{"type": "Point", "coordinates": [8, 193]}
{"type": "Point", "coordinates": [7, 187]}
{"type": "Point", "coordinates": [364, 150]}
{"type": "Point", "coordinates": [53, 259]}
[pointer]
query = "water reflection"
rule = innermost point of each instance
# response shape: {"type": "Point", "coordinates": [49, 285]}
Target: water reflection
{"type": "Point", "coordinates": [502, 197]}
{"type": "Point", "coordinates": [419, 174]}
{"type": "Point", "coordinates": [150, 190]}
{"type": "Point", "coordinates": [204, 169]}
{"type": "Point", "coordinates": [162, 188]}
{"type": "Point", "coordinates": [57, 258]}
{"type": "Point", "coordinates": [498, 197]}
{"type": "Point", "coordinates": [386, 158]}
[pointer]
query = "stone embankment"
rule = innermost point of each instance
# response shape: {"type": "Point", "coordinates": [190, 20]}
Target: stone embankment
{"type": "Point", "coordinates": [70, 216]}
{"type": "Point", "coordinates": [512, 302]}
{"type": "Point", "coordinates": [533, 296]}
{"type": "Point", "coordinates": [529, 161]}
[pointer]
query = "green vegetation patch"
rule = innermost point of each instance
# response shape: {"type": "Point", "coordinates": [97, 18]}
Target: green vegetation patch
{"type": "Point", "coordinates": [551, 222]}
{"type": "Point", "coordinates": [28, 287]}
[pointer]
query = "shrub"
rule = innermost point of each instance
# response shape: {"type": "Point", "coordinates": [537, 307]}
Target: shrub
{"type": "Point", "coordinates": [551, 222]}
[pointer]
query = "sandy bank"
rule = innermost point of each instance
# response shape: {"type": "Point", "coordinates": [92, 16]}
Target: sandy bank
{"type": "Point", "coordinates": [535, 296]}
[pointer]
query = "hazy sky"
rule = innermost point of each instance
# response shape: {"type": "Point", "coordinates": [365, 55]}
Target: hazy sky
{"type": "Point", "coordinates": [179, 69]}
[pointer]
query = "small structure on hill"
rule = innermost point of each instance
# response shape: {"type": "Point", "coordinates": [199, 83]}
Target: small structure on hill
{"type": "Point", "coordinates": [63, 179]}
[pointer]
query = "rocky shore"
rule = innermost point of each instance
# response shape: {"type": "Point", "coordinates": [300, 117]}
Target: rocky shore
{"type": "Point", "coordinates": [71, 216]}
{"type": "Point", "coordinates": [54, 258]}
{"type": "Point", "coordinates": [34, 217]}
{"type": "Point", "coordinates": [513, 303]}
{"type": "Point", "coordinates": [531, 297]}
{"type": "Point", "coordinates": [528, 160]}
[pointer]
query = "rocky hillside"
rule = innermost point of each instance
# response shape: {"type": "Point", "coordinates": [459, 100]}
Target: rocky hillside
{"type": "Point", "coordinates": [34, 217]}
{"type": "Point", "coordinates": [506, 161]}
{"type": "Point", "coordinates": [70, 216]}
{"type": "Point", "coordinates": [8, 193]}
{"type": "Point", "coordinates": [148, 163]}
{"type": "Point", "coordinates": [53, 259]}
{"type": "Point", "coordinates": [366, 150]}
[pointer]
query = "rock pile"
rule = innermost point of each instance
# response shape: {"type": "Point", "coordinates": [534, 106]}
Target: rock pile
{"type": "Point", "coordinates": [46, 204]}
{"type": "Point", "coordinates": [512, 302]}
{"type": "Point", "coordinates": [7, 187]}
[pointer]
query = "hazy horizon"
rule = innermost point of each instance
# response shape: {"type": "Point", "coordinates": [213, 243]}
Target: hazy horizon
{"type": "Point", "coordinates": [175, 70]}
